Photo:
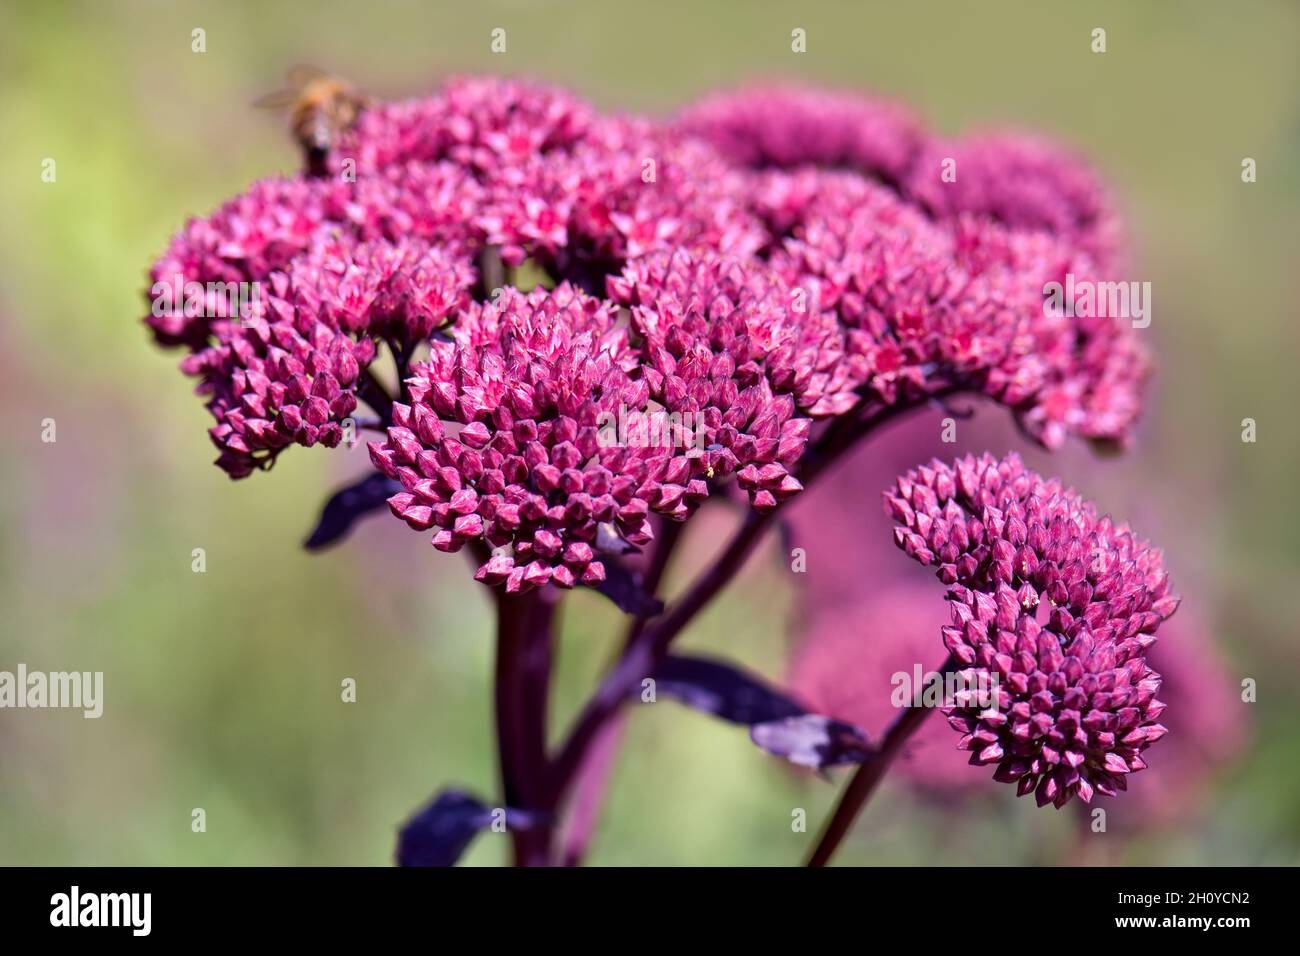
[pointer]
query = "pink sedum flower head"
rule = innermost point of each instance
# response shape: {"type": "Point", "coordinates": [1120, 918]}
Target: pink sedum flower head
{"type": "Point", "coordinates": [850, 652]}
{"type": "Point", "coordinates": [1022, 182]}
{"type": "Point", "coordinates": [502, 443]}
{"type": "Point", "coordinates": [930, 307]}
{"type": "Point", "coordinates": [1057, 604]}
{"type": "Point", "coordinates": [288, 374]}
{"type": "Point", "coordinates": [740, 308]}
{"type": "Point", "coordinates": [771, 259]}
{"type": "Point", "coordinates": [789, 126]}
{"type": "Point", "coordinates": [488, 125]}
{"type": "Point", "coordinates": [634, 188]}
{"type": "Point", "coordinates": [243, 241]}
{"type": "Point", "coordinates": [277, 384]}
{"type": "Point", "coordinates": [722, 346]}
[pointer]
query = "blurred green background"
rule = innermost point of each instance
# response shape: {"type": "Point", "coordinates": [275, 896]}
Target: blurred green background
{"type": "Point", "coordinates": [222, 688]}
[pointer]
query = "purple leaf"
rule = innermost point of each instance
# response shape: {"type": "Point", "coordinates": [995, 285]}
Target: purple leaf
{"type": "Point", "coordinates": [624, 588]}
{"type": "Point", "coordinates": [811, 740]}
{"type": "Point", "coordinates": [778, 724]}
{"type": "Point", "coordinates": [439, 833]}
{"type": "Point", "coordinates": [346, 506]}
{"type": "Point", "coordinates": [722, 690]}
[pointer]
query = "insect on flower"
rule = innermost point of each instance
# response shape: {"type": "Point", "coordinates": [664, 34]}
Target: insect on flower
{"type": "Point", "coordinates": [321, 108]}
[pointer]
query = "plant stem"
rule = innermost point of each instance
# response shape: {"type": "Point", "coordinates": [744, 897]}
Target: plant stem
{"type": "Point", "coordinates": [591, 779]}
{"type": "Point", "coordinates": [590, 788]}
{"type": "Point", "coordinates": [670, 534]}
{"type": "Point", "coordinates": [648, 647]}
{"type": "Point", "coordinates": [868, 776]}
{"type": "Point", "coordinates": [371, 391]}
{"type": "Point", "coordinates": [524, 645]}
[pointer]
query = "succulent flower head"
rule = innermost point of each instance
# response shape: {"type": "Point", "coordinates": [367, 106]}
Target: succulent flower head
{"type": "Point", "coordinates": [790, 126]}
{"type": "Point", "coordinates": [1020, 181]}
{"type": "Point", "coordinates": [765, 262]}
{"type": "Point", "coordinates": [505, 443]}
{"type": "Point", "coordinates": [1057, 605]}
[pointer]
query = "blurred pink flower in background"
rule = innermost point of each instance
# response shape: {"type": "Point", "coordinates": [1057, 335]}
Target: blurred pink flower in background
{"type": "Point", "coordinates": [1021, 181]}
{"type": "Point", "coordinates": [843, 666]}
{"type": "Point", "coordinates": [786, 126]}
{"type": "Point", "coordinates": [1207, 726]}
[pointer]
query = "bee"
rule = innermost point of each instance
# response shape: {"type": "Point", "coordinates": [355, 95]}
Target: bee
{"type": "Point", "coordinates": [321, 108]}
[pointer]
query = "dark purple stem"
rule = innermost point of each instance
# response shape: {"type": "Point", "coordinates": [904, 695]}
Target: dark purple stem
{"type": "Point", "coordinates": [867, 777]}
{"type": "Point", "coordinates": [372, 392]}
{"type": "Point", "coordinates": [590, 787]}
{"type": "Point", "coordinates": [647, 649]}
{"type": "Point", "coordinates": [524, 647]}
{"type": "Point", "coordinates": [591, 778]}
{"type": "Point", "coordinates": [402, 350]}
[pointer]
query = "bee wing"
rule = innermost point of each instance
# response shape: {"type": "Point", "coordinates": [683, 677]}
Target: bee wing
{"type": "Point", "coordinates": [300, 74]}
{"type": "Point", "coordinates": [278, 100]}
